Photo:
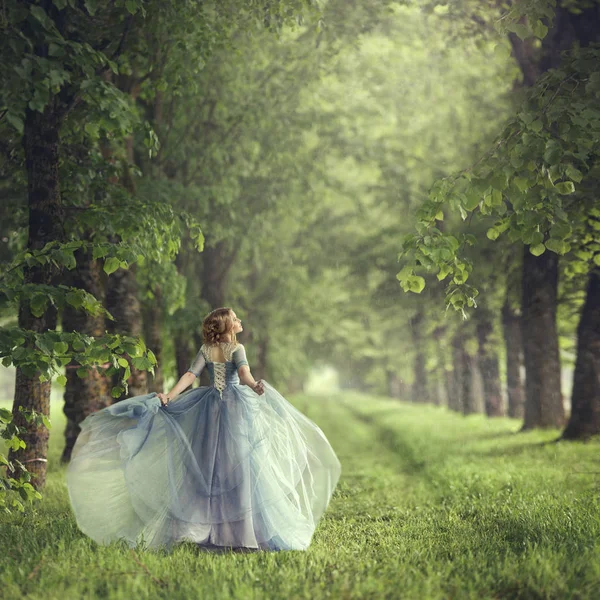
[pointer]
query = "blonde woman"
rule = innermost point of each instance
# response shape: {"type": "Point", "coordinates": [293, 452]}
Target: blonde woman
{"type": "Point", "coordinates": [230, 465]}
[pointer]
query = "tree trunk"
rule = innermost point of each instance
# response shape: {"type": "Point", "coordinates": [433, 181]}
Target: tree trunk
{"type": "Point", "coordinates": [395, 384]}
{"type": "Point", "coordinates": [123, 304]}
{"type": "Point", "coordinates": [86, 395]}
{"type": "Point", "coordinates": [441, 375]}
{"type": "Point", "coordinates": [41, 146]}
{"type": "Point", "coordinates": [419, 388]}
{"type": "Point", "coordinates": [153, 320]}
{"type": "Point", "coordinates": [216, 262]}
{"type": "Point", "coordinates": [122, 296]}
{"type": "Point", "coordinates": [490, 370]}
{"type": "Point", "coordinates": [455, 401]}
{"type": "Point", "coordinates": [465, 378]}
{"type": "Point", "coordinates": [543, 402]}
{"type": "Point", "coordinates": [259, 370]}
{"type": "Point", "coordinates": [511, 323]}
{"type": "Point", "coordinates": [543, 398]}
{"type": "Point", "coordinates": [585, 401]}
{"type": "Point", "coordinates": [184, 355]}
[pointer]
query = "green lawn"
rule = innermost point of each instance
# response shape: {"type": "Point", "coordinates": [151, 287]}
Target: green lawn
{"type": "Point", "coordinates": [430, 505]}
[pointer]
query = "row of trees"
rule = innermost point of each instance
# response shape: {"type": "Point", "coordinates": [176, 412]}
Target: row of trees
{"type": "Point", "coordinates": [535, 188]}
{"type": "Point", "coordinates": [88, 88]}
{"type": "Point", "coordinates": [185, 157]}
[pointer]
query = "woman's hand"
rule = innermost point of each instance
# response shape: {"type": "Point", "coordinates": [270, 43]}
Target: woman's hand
{"type": "Point", "coordinates": [164, 398]}
{"type": "Point", "coordinates": [259, 388]}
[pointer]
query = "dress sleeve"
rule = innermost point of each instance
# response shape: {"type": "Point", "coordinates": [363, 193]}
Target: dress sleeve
{"type": "Point", "coordinates": [239, 357]}
{"type": "Point", "coordinates": [198, 364]}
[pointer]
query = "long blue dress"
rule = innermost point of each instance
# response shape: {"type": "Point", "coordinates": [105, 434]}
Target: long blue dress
{"type": "Point", "coordinates": [219, 465]}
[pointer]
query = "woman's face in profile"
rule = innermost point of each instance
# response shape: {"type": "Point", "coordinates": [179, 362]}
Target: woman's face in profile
{"type": "Point", "coordinates": [237, 323]}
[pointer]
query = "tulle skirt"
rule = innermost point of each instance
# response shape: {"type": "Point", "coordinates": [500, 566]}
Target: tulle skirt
{"type": "Point", "coordinates": [238, 470]}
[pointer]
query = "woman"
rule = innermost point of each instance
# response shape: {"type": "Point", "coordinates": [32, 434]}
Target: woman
{"type": "Point", "coordinates": [232, 464]}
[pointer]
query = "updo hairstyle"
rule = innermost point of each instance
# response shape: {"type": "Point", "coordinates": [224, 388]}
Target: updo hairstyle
{"type": "Point", "coordinates": [217, 324]}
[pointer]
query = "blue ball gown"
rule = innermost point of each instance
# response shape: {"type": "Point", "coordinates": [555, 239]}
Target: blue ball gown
{"type": "Point", "coordinates": [219, 466]}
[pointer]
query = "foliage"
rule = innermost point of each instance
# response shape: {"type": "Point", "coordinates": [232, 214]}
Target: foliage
{"type": "Point", "coordinates": [526, 184]}
{"type": "Point", "coordinates": [14, 491]}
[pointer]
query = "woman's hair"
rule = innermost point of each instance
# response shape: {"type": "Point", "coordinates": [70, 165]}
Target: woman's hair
{"type": "Point", "coordinates": [217, 324]}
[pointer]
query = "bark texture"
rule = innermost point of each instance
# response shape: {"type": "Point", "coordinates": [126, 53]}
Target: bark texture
{"type": "Point", "coordinates": [455, 398]}
{"type": "Point", "coordinates": [86, 395]}
{"type": "Point", "coordinates": [420, 391]}
{"type": "Point", "coordinates": [41, 145]}
{"type": "Point", "coordinates": [490, 369]}
{"type": "Point", "coordinates": [511, 323]}
{"type": "Point", "coordinates": [543, 398]}
{"type": "Point", "coordinates": [585, 411]}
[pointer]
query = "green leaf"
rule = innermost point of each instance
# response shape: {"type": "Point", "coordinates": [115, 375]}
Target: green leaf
{"type": "Point", "coordinates": [537, 237]}
{"type": "Point", "coordinates": [151, 357]}
{"type": "Point", "coordinates": [493, 233]}
{"type": "Point", "coordinates": [521, 30]}
{"type": "Point", "coordinates": [74, 299]}
{"type": "Point", "coordinates": [416, 284]}
{"type": "Point", "coordinates": [61, 347]}
{"type": "Point", "coordinates": [565, 187]}
{"type": "Point", "coordinates": [111, 265]}
{"type": "Point", "coordinates": [558, 246]}
{"type": "Point", "coordinates": [61, 380]}
{"type": "Point", "coordinates": [537, 250]}
{"type": "Point", "coordinates": [56, 50]}
{"type": "Point", "coordinates": [404, 273]}
{"type": "Point", "coordinates": [496, 197]}
{"type": "Point", "coordinates": [123, 362]}
{"type": "Point", "coordinates": [16, 121]}
{"type": "Point", "coordinates": [572, 173]}
{"type": "Point", "coordinates": [561, 231]}
{"type": "Point", "coordinates": [81, 372]}
{"type": "Point", "coordinates": [444, 272]}
{"type": "Point", "coordinates": [522, 183]}
{"type": "Point", "coordinates": [117, 391]}
{"type": "Point", "coordinates": [38, 304]}
{"type": "Point", "coordinates": [40, 14]}
{"type": "Point", "coordinates": [597, 259]}
{"type": "Point", "coordinates": [46, 422]}
{"type": "Point", "coordinates": [92, 6]}
{"type": "Point", "coordinates": [536, 126]}
{"type": "Point", "coordinates": [553, 152]}
{"type": "Point", "coordinates": [538, 29]}
{"type": "Point", "coordinates": [472, 199]}
{"type": "Point", "coordinates": [100, 251]}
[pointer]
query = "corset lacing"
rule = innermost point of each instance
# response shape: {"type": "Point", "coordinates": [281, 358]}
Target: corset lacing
{"type": "Point", "coordinates": [220, 371]}
{"type": "Point", "coordinates": [219, 368]}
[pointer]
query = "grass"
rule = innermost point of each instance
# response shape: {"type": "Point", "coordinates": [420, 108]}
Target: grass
{"type": "Point", "coordinates": [430, 505]}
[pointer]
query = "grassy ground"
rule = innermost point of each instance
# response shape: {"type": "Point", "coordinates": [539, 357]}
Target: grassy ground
{"type": "Point", "coordinates": [430, 505]}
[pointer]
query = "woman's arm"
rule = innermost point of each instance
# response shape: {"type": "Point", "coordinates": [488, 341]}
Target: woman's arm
{"type": "Point", "coordinates": [184, 382]}
{"type": "Point", "coordinates": [243, 369]}
{"type": "Point", "coordinates": [247, 379]}
{"type": "Point", "coordinates": [186, 379]}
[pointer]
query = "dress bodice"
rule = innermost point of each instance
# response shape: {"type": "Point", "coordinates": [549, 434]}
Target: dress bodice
{"type": "Point", "coordinates": [221, 373]}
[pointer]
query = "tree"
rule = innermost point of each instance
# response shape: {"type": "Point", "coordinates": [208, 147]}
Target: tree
{"type": "Point", "coordinates": [53, 79]}
{"type": "Point", "coordinates": [524, 182]}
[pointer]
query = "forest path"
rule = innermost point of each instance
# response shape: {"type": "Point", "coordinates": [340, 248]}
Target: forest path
{"type": "Point", "coordinates": [430, 504]}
